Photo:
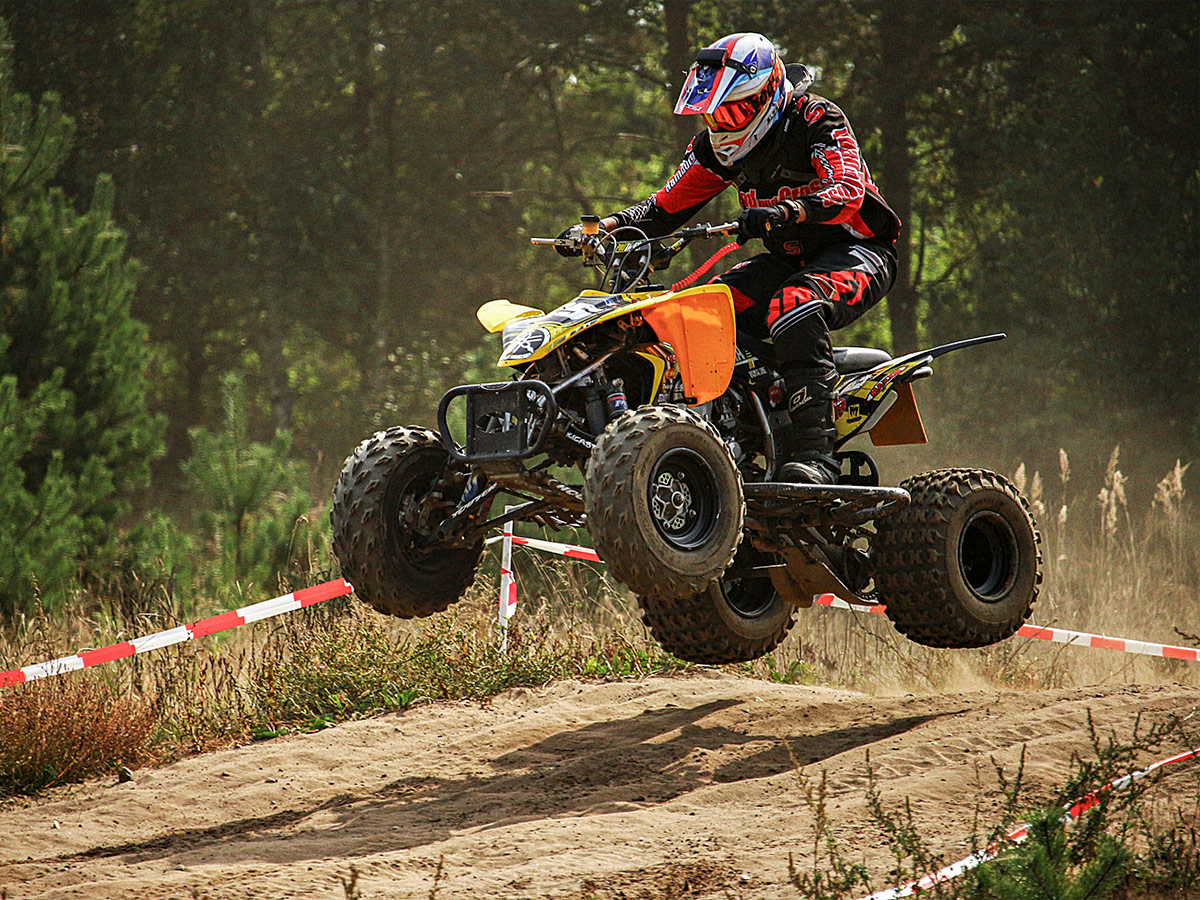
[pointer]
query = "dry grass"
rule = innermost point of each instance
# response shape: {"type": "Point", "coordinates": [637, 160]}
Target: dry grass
{"type": "Point", "coordinates": [1108, 569]}
{"type": "Point", "coordinates": [67, 729]}
{"type": "Point", "coordinates": [302, 672]}
{"type": "Point", "coordinates": [1131, 573]}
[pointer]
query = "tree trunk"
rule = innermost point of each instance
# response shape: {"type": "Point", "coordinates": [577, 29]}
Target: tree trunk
{"type": "Point", "coordinates": [387, 214]}
{"type": "Point", "coordinates": [377, 148]}
{"type": "Point", "coordinates": [269, 337]}
{"type": "Point", "coordinates": [680, 55]}
{"type": "Point", "coordinates": [896, 32]}
{"type": "Point", "coordinates": [270, 343]}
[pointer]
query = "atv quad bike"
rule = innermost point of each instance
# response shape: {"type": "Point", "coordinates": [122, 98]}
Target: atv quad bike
{"type": "Point", "coordinates": [677, 431]}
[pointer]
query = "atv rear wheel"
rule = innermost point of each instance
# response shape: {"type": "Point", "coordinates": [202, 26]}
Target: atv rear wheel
{"type": "Point", "coordinates": [664, 501]}
{"type": "Point", "coordinates": [376, 530]}
{"type": "Point", "coordinates": [732, 620]}
{"type": "Point", "coordinates": [961, 565]}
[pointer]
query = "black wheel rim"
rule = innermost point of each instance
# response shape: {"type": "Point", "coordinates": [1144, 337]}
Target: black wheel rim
{"type": "Point", "coordinates": [404, 496]}
{"type": "Point", "coordinates": [749, 597]}
{"type": "Point", "coordinates": [988, 554]}
{"type": "Point", "coordinates": [683, 498]}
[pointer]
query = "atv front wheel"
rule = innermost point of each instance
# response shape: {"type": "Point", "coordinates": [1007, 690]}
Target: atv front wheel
{"type": "Point", "coordinates": [960, 566]}
{"type": "Point", "coordinates": [377, 530]}
{"type": "Point", "coordinates": [732, 620]}
{"type": "Point", "coordinates": [664, 501]}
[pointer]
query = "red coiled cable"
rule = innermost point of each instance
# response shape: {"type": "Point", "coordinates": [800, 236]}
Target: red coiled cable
{"type": "Point", "coordinates": [708, 264]}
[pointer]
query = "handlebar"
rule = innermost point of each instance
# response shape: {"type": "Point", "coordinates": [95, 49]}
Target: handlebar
{"type": "Point", "coordinates": [628, 262]}
{"type": "Point", "coordinates": [726, 228]}
{"type": "Point", "coordinates": [691, 233]}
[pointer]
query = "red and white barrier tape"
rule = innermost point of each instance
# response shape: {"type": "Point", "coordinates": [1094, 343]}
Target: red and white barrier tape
{"type": "Point", "coordinates": [1038, 632]}
{"type": "Point", "coordinates": [1019, 834]}
{"type": "Point", "coordinates": [220, 622]}
{"type": "Point", "coordinates": [507, 607]}
{"type": "Point", "coordinates": [835, 602]}
{"type": "Point", "coordinates": [1103, 642]}
{"type": "Point", "coordinates": [573, 551]}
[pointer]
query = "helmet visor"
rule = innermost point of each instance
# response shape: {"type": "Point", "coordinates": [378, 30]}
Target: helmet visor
{"type": "Point", "coordinates": [705, 88]}
{"type": "Point", "coordinates": [734, 115]}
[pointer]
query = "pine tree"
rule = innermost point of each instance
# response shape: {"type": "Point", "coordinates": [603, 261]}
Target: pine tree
{"type": "Point", "coordinates": [252, 497]}
{"type": "Point", "coordinates": [1047, 867]}
{"type": "Point", "coordinates": [72, 360]}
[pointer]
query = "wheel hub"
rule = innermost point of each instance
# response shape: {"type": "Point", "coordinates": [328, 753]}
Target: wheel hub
{"type": "Point", "coordinates": [672, 501]}
{"type": "Point", "coordinates": [682, 498]}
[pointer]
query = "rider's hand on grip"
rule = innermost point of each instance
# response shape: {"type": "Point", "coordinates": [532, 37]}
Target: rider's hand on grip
{"type": "Point", "coordinates": [758, 222]}
{"type": "Point", "coordinates": [574, 233]}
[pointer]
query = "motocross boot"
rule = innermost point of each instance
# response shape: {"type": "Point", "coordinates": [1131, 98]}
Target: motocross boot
{"type": "Point", "coordinates": [810, 404]}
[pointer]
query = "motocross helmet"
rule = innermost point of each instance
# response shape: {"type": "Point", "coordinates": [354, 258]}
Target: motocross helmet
{"type": "Point", "coordinates": [740, 88]}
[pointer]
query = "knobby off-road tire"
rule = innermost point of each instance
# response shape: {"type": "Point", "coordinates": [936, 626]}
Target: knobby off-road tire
{"type": "Point", "coordinates": [381, 480]}
{"type": "Point", "coordinates": [961, 565]}
{"type": "Point", "coordinates": [732, 620]}
{"type": "Point", "coordinates": [664, 501]}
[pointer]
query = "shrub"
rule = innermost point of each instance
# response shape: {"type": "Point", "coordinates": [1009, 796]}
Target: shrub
{"type": "Point", "coordinates": [68, 728]}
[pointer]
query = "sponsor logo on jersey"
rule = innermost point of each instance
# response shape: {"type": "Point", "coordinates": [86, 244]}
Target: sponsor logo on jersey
{"type": "Point", "coordinates": [750, 199]}
{"type": "Point", "coordinates": [688, 160]}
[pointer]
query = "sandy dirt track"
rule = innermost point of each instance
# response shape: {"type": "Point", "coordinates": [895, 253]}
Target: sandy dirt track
{"type": "Point", "coordinates": [668, 787]}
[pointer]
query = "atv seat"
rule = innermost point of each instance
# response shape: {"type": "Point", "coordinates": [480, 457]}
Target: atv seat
{"type": "Point", "coordinates": [858, 359]}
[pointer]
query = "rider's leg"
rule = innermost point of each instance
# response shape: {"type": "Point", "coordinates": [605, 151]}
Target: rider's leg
{"type": "Point", "coordinates": [838, 287]}
{"type": "Point", "coordinates": [753, 282]}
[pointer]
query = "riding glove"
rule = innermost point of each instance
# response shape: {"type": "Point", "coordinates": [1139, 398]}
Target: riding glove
{"type": "Point", "coordinates": [757, 221]}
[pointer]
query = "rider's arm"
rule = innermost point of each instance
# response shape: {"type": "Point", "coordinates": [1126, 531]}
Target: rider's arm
{"type": "Point", "coordinates": [838, 163]}
{"type": "Point", "coordinates": [698, 179]}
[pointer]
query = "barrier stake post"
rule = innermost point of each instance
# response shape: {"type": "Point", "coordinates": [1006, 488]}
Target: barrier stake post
{"type": "Point", "coordinates": [508, 585]}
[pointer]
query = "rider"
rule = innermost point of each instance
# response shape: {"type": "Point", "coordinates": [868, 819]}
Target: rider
{"type": "Point", "coordinates": [806, 192]}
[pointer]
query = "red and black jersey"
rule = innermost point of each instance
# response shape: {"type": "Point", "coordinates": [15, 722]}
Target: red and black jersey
{"type": "Point", "coordinates": [811, 156]}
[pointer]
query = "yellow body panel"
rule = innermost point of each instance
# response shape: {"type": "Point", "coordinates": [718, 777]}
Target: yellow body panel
{"type": "Point", "coordinates": [660, 370]}
{"type": "Point", "coordinates": [865, 401]}
{"type": "Point", "coordinates": [697, 322]}
{"type": "Point", "coordinates": [495, 314]}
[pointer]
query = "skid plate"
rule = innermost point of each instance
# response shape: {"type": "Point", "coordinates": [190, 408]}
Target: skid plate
{"type": "Point", "coordinates": [822, 504]}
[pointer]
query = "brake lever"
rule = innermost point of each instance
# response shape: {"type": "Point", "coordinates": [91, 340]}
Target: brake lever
{"type": "Point", "coordinates": [725, 229]}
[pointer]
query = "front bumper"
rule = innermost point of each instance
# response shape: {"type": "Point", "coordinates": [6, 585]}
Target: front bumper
{"type": "Point", "coordinates": [504, 420]}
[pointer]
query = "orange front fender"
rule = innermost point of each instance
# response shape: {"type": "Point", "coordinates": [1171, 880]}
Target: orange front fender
{"type": "Point", "coordinates": [699, 324]}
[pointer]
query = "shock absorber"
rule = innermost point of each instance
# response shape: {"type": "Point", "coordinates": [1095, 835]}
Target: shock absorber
{"type": "Point", "coordinates": [615, 400]}
{"type": "Point", "coordinates": [596, 408]}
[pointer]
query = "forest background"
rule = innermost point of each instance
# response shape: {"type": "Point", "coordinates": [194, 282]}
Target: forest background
{"type": "Point", "coordinates": [235, 238]}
